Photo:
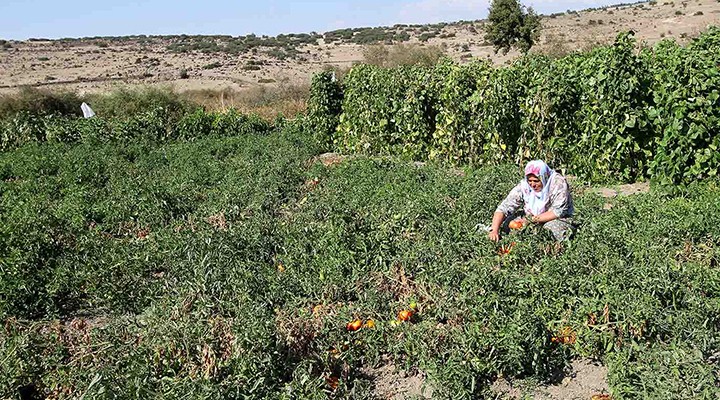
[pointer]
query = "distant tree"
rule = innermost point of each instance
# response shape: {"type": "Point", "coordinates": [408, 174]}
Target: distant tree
{"type": "Point", "coordinates": [512, 25]}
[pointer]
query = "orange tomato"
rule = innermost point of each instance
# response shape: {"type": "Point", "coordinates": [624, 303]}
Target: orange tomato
{"type": "Point", "coordinates": [370, 324]}
{"type": "Point", "coordinates": [601, 397]}
{"type": "Point", "coordinates": [516, 224]}
{"type": "Point", "coordinates": [405, 315]}
{"type": "Point", "coordinates": [354, 325]}
{"type": "Point", "coordinates": [332, 381]}
{"type": "Point", "coordinates": [312, 182]}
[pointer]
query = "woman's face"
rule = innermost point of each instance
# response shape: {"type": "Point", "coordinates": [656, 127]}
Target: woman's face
{"type": "Point", "coordinates": [534, 182]}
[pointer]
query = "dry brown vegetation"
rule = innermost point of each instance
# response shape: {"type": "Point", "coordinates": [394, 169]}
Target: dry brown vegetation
{"type": "Point", "coordinates": [267, 101]}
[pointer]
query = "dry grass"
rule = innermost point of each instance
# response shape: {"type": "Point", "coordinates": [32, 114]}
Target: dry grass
{"type": "Point", "coordinates": [267, 101]}
{"type": "Point", "coordinates": [555, 46]}
{"type": "Point", "coordinates": [402, 54]}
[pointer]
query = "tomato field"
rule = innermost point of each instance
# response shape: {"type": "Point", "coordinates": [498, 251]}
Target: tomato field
{"type": "Point", "coordinates": [217, 256]}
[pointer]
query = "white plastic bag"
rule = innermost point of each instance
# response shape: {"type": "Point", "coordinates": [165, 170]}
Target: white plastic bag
{"type": "Point", "coordinates": [483, 227]}
{"type": "Point", "coordinates": [87, 111]}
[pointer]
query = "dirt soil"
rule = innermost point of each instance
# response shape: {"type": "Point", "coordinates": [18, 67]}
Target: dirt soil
{"type": "Point", "coordinates": [585, 379]}
{"type": "Point", "coordinates": [397, 385]}
{"type": "Point", "coordinates": [93, 65]}
{"type": "Point", "coordinates": [623, 190]}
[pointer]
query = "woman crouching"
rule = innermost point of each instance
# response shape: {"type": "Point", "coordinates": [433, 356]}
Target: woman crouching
{"type": "Point", "coordinates": [544, 196]}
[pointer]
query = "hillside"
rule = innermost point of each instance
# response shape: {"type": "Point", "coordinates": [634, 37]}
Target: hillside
{"type": "Point", "coordinates": [216, 62]}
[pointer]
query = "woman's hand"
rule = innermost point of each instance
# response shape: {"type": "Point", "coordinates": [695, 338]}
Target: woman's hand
{"type": "Point", "coordinates": [494, 234]}
{"type": "Point", "coordinates": [547, 216]}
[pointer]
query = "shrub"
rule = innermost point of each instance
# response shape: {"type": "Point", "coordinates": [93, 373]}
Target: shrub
{"type": "Point", "coordinates": [194, 125]}
{"type": "Point", "coordinates": [39, 101]}
{"type": "Point", "coordinates": [324, 107]}
{"type": "Point", "coordinates": [212, 65]}
{"type": "Point", "coordinates": [126, 102]}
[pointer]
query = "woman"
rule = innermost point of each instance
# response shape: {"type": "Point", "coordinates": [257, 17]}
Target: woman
{"type": "Point", "coordinates": [544, 196]}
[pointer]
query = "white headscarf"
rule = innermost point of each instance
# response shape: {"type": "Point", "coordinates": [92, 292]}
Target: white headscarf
{"type": "Point", "coordinates": [536, 203]}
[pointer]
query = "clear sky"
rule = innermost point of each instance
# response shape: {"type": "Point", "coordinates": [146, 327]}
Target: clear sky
{"type": "Point", "coordinates": [22, 19]}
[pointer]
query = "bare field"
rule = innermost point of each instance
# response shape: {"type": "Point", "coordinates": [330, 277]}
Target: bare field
{"type": "Point", "coordinates": [93, 65]}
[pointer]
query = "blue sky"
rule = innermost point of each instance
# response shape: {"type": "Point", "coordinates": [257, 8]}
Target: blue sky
{"type": "Point", "coordinates": [22, 19]}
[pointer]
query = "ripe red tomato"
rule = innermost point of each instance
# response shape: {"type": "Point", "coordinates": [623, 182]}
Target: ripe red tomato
{"type": "Point", "coordinates": [405, 315]}
{"type": "Point", "coordinates": [332, 381]}
{"type": "Point", "coordinates": [354, 325]}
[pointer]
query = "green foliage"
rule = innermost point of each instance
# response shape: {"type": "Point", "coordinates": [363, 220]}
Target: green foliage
{"type": "Point", "coordinates": [281, 45]}
{"type": "Point", "coordinates": [610, 114]}
{"type": "Point", "coordinates": [103, 230]}
{"type": "Point", "coordinates": [476, 103]}
{"type": "Point", "coordinates": [157, 124]}
{"type": "Point", "coordinates": [613, 128]}
{"type": "Point", "coordinates": [510, 25]}
{"type": "Point", "coordinates": [324, 107]}
{"type": "Point", "coordinates": [195, 268]}
{"type": "Point", "coordinates": [387, 111]}
{"type": "Point", "coordinates": [673, 371]}
{"type": "Point", "coordinates": [364, 36]}
{"type": "Point", "coordinates": [123, 103]}
{"type": "Point", "coordinates": [685, 112]}
{"type": "Point", "coordinates": [233, 123]}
